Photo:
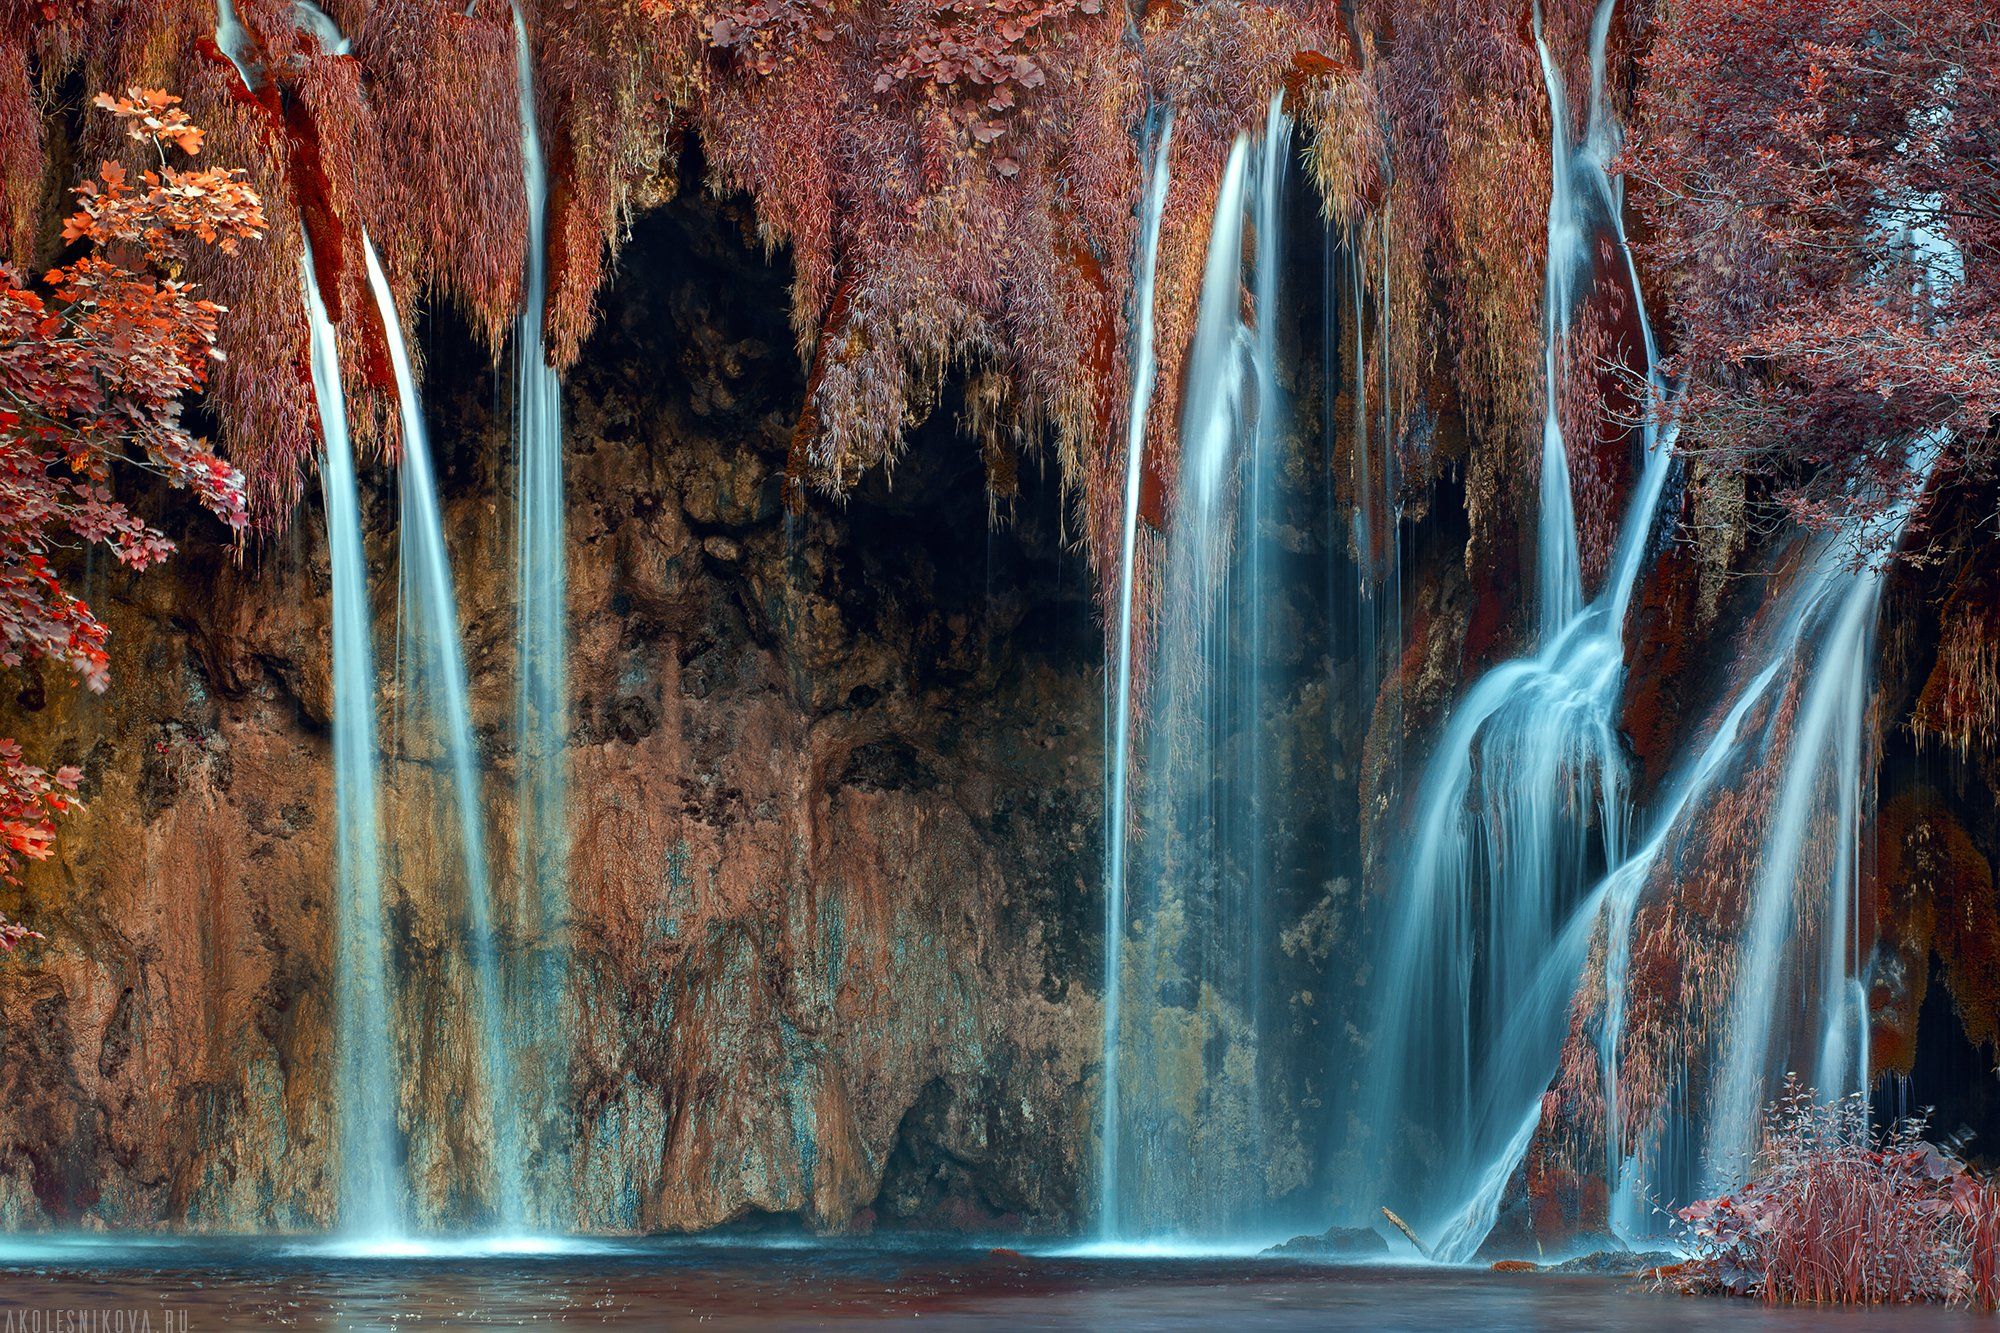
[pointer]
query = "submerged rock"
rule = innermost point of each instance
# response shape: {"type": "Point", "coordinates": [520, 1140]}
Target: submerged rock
{"type": "Point", "coordinates": [1334, 1242]}
{"type": "Point", "coordinates": [1618, 1263]}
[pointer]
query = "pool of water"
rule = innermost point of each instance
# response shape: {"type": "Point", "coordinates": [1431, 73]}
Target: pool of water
{"type": "Point", "coordinates": [172, 1284]}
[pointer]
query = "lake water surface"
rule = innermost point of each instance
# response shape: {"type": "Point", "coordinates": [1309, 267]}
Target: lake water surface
{"type": "Point", "coordinates": [135, 1284]}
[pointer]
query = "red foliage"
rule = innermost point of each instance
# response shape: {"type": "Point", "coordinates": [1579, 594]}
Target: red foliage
{"type": "Point", "coordinates": [1468, 124]}
{"type": "Point", "coordinates": [1837, 1214]}
{"type": "Point", "coordinates": [963, 170]}
{"type": "Point", "coordinates": [611, 80]}
{"type": "Point", "coordinates": [444, 193]}
{"type": "Point", "coordinates": [21, 163]}
{"type": "Point", "coordinates": [30, 800]}
{"type": "Point", "coordinates": [1825, 204]}
{"type": "Point", "coordinates": [93, 367]}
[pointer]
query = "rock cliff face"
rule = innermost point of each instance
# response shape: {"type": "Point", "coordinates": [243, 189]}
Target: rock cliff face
{"type": "Point", "coordinates": [834, 808]}
{"type": "Point", "coordinates": [835, 928]}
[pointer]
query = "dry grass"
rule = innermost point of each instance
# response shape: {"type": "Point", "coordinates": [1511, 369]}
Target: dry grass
{"type": "Point", "coordinates": [1836, 1213]}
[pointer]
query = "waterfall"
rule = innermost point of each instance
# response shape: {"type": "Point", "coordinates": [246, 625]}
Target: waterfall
{"type": "Point", "coordinates": [1806, 877]}
{"type": "Point", "coordinates": [439, 671]}
{"type": "Point", "coordinates": [1803, 880]}
{"type": "Point", "coordinates": [541, 712]}
{"type": "Point", "coordinates": [1521, 801]}
{"type": "Point", "coordinates": [1559, 566]}
{"type": "Point", "coordinates": [1188, 1124]}
{"type": "Point", "coordinates": [1120, 704]}
{"type": "Point", "coordinates": [1805, 872]}
{"type": "Point", "coordinates": [1623, 886]}
{"type": "Point", "coordinates": [311, 18]}
{"type": "Point", "coordinates": [1808, 863]}
{"type": "Point", "coordinates": [236, 44]}
{"type": "Point", "coordinates": [371, 1184]}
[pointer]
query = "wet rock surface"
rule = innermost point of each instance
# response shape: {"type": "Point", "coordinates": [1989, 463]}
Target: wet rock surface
{"type": "Point", "coordinates": [1333, 1243]}
{"type": "Point", "coordinates": [1617, 1263]}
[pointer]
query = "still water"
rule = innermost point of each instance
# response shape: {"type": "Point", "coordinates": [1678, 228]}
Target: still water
{"type": "Point", "coordinates": [101, 1285]}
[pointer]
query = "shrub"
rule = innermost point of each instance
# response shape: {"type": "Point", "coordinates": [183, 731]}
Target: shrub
{"type": "Point", "coordinates": [1835, 1212]}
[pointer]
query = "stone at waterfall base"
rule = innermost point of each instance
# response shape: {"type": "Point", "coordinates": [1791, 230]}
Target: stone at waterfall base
{"type": "Point", "coordinates": [1600, 1263]}
{"type": "Point", "coordinates": [1333, 1243]}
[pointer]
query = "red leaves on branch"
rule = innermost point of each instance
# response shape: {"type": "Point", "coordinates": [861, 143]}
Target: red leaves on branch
{"type": "Point", "coordinates": [94, 363]}
{"type": "Point", "coordinates": [217, 207]}
{"type": "Point", "coordinates": [30, 801]}
{"type": "Point", "coordinates": [150, 113]}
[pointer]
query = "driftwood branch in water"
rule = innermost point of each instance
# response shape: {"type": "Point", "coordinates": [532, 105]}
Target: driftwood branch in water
{"type": "Point", "coordinates": [1404, 1227]}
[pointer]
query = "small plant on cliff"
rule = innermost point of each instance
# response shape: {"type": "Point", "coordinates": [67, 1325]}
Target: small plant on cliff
{"type": "Point", "coordinates": [1837, 1213]}
{"type": "Point", "coordinates": [95, 360]}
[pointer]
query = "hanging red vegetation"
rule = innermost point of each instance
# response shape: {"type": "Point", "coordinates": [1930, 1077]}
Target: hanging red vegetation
{"type": "Point", "coordinates": [1835, 1214]}
{"type": "Point", "coordinates": [94, 363]}
{"type": "Point", "coordinates": [21, 165]}
{"type": "Point", "coordinates": [956, 181]}
{"type": "Point", "coordinates": [612, 79]}
{"type": "Point", "coordinates": [1452, 246]}
{"type": "Point", "coordinates": [1960, 702]}
{"type": "Point", "coordinates": [929, 173]}
{"type": "Point", "coordinates": [444, 197]}
{"type": "Point", "coordinates": [1825, 207]}
{"type": "Point", "coordinates": [958, 186]}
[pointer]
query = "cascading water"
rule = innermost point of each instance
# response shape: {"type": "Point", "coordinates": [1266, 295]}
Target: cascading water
{"type": "Point", "coordinates": [542, 711]}
{"type": "Point", "coordinates": [1119, 704]}
{"type": "Point", "coordinates": [1524, 796]}
{"type": "Point", "coordinates": [1806, 874]}
{"type": "Point", "coordinates": [371, 1183]}
{"type": "Point", "coordinates": [1808, 863]}
{"type": "Point", "coordinates": [234, 41]}
{"type": "Point", "coordinates": [434, 672]}
{"type": "Point", "coordinates": [1796, 956]}
{"type": "Point", "coordinates": [1805, 877]}
{"type": "Point", "coordinates": [1189, 1150]}
{"type": "Point", "coordinates": [311, 18]}
{"type": "Point", "coordinates": [1558, 563]}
